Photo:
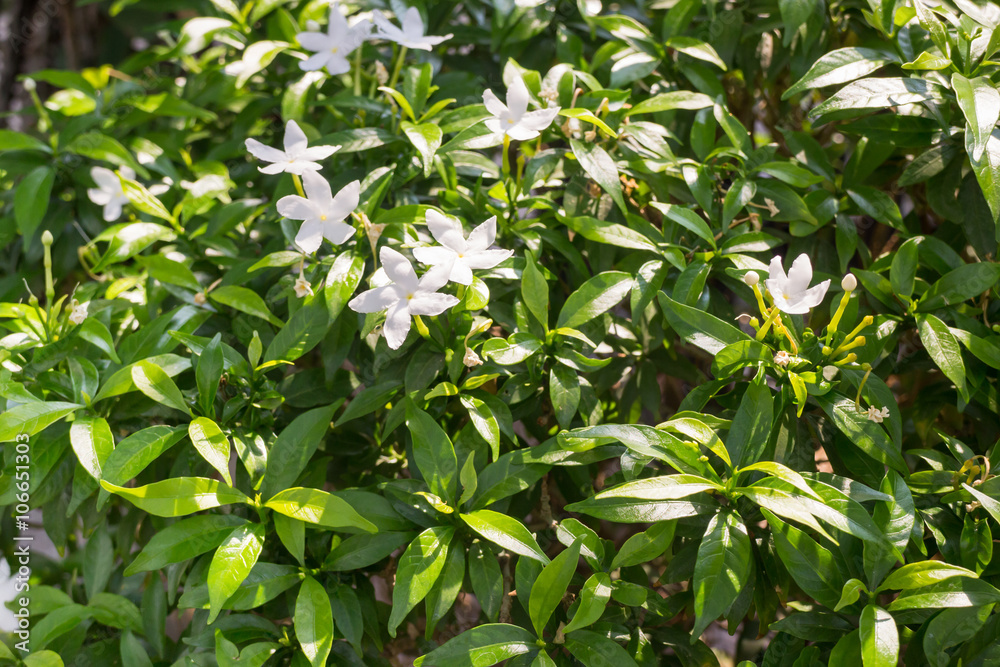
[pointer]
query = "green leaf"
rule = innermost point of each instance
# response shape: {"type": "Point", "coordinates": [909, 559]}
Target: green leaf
{"type": "Point", "coordinates": [923, 573]}
{"type": "Point", "coordinates": [903, 271]}
{"type": "Point", "coordinates": [877, 204]}
{"type": "Point", "coordinates": [862, 432]}
{"type": "Point", "coordinates": [594, 597]}
{"type": "Point", "coordinates": [212, 444]}
{"type": "Point", "coordinates": [991, 505]}
{"type": "Point", "coordinates": [980, 104]}
{"type": "Point", "coordinates": [314, 622]}
{"type": "Point", "coordinates": [610, 233]}
{"type": "Point", "coordinates": [129, 239]}
{"type": "Point", "coordinates": [344, 276]}
{"type": "Point", "coordinates": [952, 592]}
{"type": "Point", "coordinates": [419, 567]}
{"type": "Point", "coordinates": [92, 442]}
{"type": "Point", "coordinates": [600, 167]}
{"type": "Point", "coordinates": [840, 66]}
{"type": "Point", "coordinates": [506, 532]}
{"type": "Point", "coordinates": [486, 579]}
{"type": "Point", "coordinates": [481, 646]}
{"type": "Point", "coordinates": [722, 569]}
{"type": "Point", "coordinates": [143, 200]}
{"type": "Point", "coordinates": [304, 330]}
{"type": "Point", "coordinates": [294, 447]}
{"type": "Point", "coordinates": [650, 500]}
{"type": "Point", "coordinates": [596, 296]}
{"type": "Point", "coordinates": [426, 138]}
{"type": "Point", "coordinates": [208, 373]}
{"type": "Point", "coordinates": [645, 546]}
{"type": "Point", "coordinates": [178, 496]}
{"type": "Point", "coordinates": [132, 652]}
{"type": "Point", "coordinates": [675, 99]}
{"type": "Point", "coordinates": [879, 638]}
{"type": "Point", "coordinates": [320, 508]}
{"type": "Point", "coordinates": [433, 453]}
{"type": "Point", "coordinates": [987, 169]}
{"type": "Point", "coordinates": [183, 541]}
{"type": "Point", "coordinates": [551, 585]}
{"type": "Point", "coordinates": [695, 48]}
{"type": "Point", "coordinates": [95, 333]}
{"type": "Point", "coordinates": [28, 419]}
{"type": "Point", "coordinates": [698, 327]}
{"type": "Point", "coordinates": [564, 392]}
{"type": "Point", "coordinates": [18, 141]}
{"type": "Point", "coordinates": [943, 348]}
{"type": "Point", "coordinates": [643, 440]}
{"type": "Point", "coordinates": [588, 116]}
{"type": "Point", "coordinates": [596, 650]}
{"type": "Point", "coordinates": [751, 427]}
{"type": "Point", "coordinates": [31, 199]}
{"type": "Point", "coordinates": [961, 284]}
{"type": "Point", "coordinates": [244, 300]}
{"type": "Point", "coordinates": [138, 450]}
{"type": "Point", "coordinates": [231, 564]}
{"type": "Point", "coordinates": [535, 291]}
{"type": "Point", "coordinates": [812, 567]}
{"type": "Point", "coordinates": [152, 381]}
{"type": "Point", "coordinates": [687, 219]}
{"type": "Point", "coordinates": [879, 94]}
{"type": "Point", "coordinates": [850, 593]}
{"type": "Point", "coordinates": [170, 272]}
{"type": "Point", "coordinates": [360, 551]}
{"type": "Point", "coordinates": [98, 146]}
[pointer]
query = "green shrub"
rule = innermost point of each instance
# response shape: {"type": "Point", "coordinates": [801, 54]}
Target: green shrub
{"type": "Point", "coordinates": [516, 372]}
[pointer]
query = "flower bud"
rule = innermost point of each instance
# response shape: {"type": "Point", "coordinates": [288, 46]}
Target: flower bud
{"type": "Point", "coordinates": [381, 73]}
{"type": "Point", "coordinates": [751, 278]}
{"type": "Point", "coordinates": [471, 359]}
{"type": "Point", "coordinates": [200, 299]}
{"type": "Point", "coordinates": [47, 237]}
{"type": "Point", "coordinates": [29, 85]}
{"type": "Point", "coordinates": [849, 283]}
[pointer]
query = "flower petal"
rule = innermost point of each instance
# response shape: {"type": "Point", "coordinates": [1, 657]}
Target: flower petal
{"type": "Point", "coordinates": [461, 272]}
{"type": "Point", "coordinates": [105, 179]}
{"type": "Point", "coordinates": [374, 300]}
{"type": "Point", "coordinates": [483, 236]}
{"type": "Point", "coordinates": [777, 280]}
{"type": "Point", "coordinates": [337, 63]}
{"type": "Point", "coordinates": [314, 153]}
{"type": "Point", "coordinates": [346, 200]}
{"type": "Point", "coordinates": [397, 324]}
{"type": "Point", "coordinates": [493, 103]}
{"type": "Point", "coordinates": [413, 24]}
{"type": "Point", "coordinates": [436, 277]}
{"type": "Point", "coordinates": [310, 236]}
{"type": "Point", "coordinates": [431, 303]}
{"type": "Point", "coordinates": [295, 138]}
{"type": "Point", "coordinates": [539, 119]}
{"type": "Point", "coordinates": [432, 255]}
{"type": "Point", "coordinates": [318, 191]}
{"type": "Point", "coordinates": [276, 168]}
{"type": "Point", "coordinates": [295, 207]}
{"type": "Point", "coordinates": [398, 268]}
{"type": "Point", "coordinates": [813, 296]}
{"type": "Point", "coordinates": [314, 41]}
{"type": "Point", "coordinates": [112, 210]}
{"type": "Point", "coordinates": [337, 232]}
{"type": "Point", "coordinates": [800, 275]}
{"type": "Point", "coordinates": [99, 196]}
{"type": "Point", "coordinates": [520, 133]}
{"type": "Point", "coordinates": [517, 98]}
{"type": "Point", "coordinates": [315, 62]}
{"type": "Point", "coordinates": [445, 230]}
{"type": "Point", "coordinates": [486, 259]}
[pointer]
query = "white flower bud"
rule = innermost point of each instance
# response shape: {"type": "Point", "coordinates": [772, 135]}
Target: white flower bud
{"type": "Point", "coordinates": [471, 359]}
{"type": "Point", "coordinates": [200, 299]}
{"type": "Point", "coordinates": [79, 313]}
{"type": "Point", "coordinates": [29, 85]}
{"type": "Point", "coordinates": [381, 73]}
{"type": "Point", "coordinates": [302, 287]}
{"type": "Point", "coordinates": [849, 283]}
{"type": "Point", "coordinates": [782, 359]}
{"type": "Point", "coordinates": [751, 278]}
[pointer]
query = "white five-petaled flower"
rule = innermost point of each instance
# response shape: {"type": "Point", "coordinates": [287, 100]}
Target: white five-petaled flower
{"type": "Point", "coordinates": [792, 293]}
{"type": "Point", "coordinates": [330, 49]}
{"type": "Point", "coordinates": [109, 192]}
{"type": "Point", "coordinates": [79, 313]}
{"type": "Point", "coordinates": [876, 415]}
{"type": "Point", "coordinates": [464, 254]}
{"type": "Point", "coordinates": [782, 359]}
{"type": "Point", "coordinates": [513, 118]}
{"type": "Point", "coordinates": [321, 212]}
{"type": "Point", "coordinates": [405, 296]}
{"type": "Point", "coordinates": [302, 287]}
{"type": "Point", "coordinates": [411, 35]}
{"type": "Point", "coordinates": [297, 158]}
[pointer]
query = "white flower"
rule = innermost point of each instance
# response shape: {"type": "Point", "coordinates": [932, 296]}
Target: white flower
{"type": "Point", "coordinates": [297, 158]}
{"type": "Point", "coordinates": [513, 118]}
{"type": "Point", "coordinates": [792, 293]}
{"type": "Point", "coordinates": [849, 283]}
{"type": "Point", "coordinates": [751, 278]}
{"type": "Point", "coordinates": [79, 313]}
{"type": "Point", "coordinates": [109, 192]}
{"type": "Point", "coordinates": [411, 35]}
{"type": "Point", "coordinates": [464, 254]}
{"type": "Point", "coordinates": [782, 359]}
{"type": "Point", "coordinates": [406, 295]}
{"type": "Point", "coordinates": [330, 49]}
{"type": "Point", "coordinates": [200, 299]}
{"type": "Point", "coordinates": [830, 372]}
{"type": "Point", "coordinates": [471, 359]}
{"type": "Point", "coordinates": [302, 287]}
{"type": "Point", "coordinates": [321, 213]}
{"type": "Point", "coordinates": [877, 415]}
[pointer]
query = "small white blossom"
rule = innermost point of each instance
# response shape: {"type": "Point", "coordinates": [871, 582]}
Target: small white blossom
{"type": "Point", "coordinates": [830, 372]}
{"type": "Point", "coordinates": [876, 415]}
{"type": "Point", "coordinates": [200, 299]}
{"type": "Point", "coordinates": [321, 212]}
{"type": "Point", "coordinates": [109, 192]}
{"type": "Point", "coordinates": [405, 296]}
{"type": "Point", "coordinates": [330, 49]}
{"type": "Point", "coordinates": [302, 287]}
{"type": "Point", "coordinates": [792, 293]}
{"type": "Point", "coordinates": [381, 73]}
{"type": "Point", "coordinates": [849, 283]}
{"type": "Point", "coordinates": [513, 118]}
{"type": "Point", "coordinates": [411, 34]}
{"type": "Point", "coordinates": [471, 359]}
{"type": "Point", "coordinates": [297, 158]}
{"type": "Point", "coordinates": [782, 359]}
{"type": "Point", "coordinates": [464, 254]}
{"type": "Point", "coordinates": [79, 313]}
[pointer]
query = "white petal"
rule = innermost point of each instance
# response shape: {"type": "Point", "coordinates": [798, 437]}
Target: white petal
{"type": "Point", "coordinates": [315, 62]}
{"type": "Point", "coordinates": [318, 191]}
{"type": "Point", "coordinates": [517, 97]}
{"type": "Point", "coordinates": [486, 259]}
{"type": "Point", "coordinates": [112, 210]}
{"type": "Point", "coordinates": [435, 278]}
{"type": "Point", "coordinates": [310, 236]}
{"type": "Point", "coordinates": [314, 41]}
{"type": "Point", "coordinates": [493, 125]}
{"type": "Point", "coordinates": [445, 230]}
{"type": "Point", "coordinates": [295, 207]}
{"type": "Point", "coordinates": [262, 152]}
{"type": "Point", "coordinates": [276, 168]}
{"type": "Point", "coordinates": [461, 272]}
{"type": "Point", "coordinates": [105, 179]}
{"type": "Point", "coordinates": [314, 153]}
{"type": "Point", "coordinates": [374, 300]}
{"type": "Point", "coordinates": [431, 303]}
{"type": "Point", "coordinates": [346, 200]}
{"type": "Point", "coordinates": [301, 167]}
{"type": "Point", "coordinates": [434, 255]}
{"type": "Point", "coordinates": [493, 103]}
{"type": "Point", "coordinates": [397, 324]}
{"type": "Point", "coordinates": [540, 119]}
{"type": "Point", "coordinates": [520, 133]}
{"type": "Point", "coordinates": [337, 232]}
{"type": "Point", "coordinates": [483, 236]}
{"type": "Point", "coordinates": [413, 24]}
{"type": "Point", "coordinates": [814, 295]}
{"type": "Point", "coordinates": [338, 63]}
{"type": "Point", "coordinates": [295, 138]}
{"type": "Point", "coordinates": [800, 275]}
{"type": "Point", "coordinates": [398, 268]}
{"type": "Point", "coordinates": [99, 196]}
{"type": "Point", "coordinates": [127, 173]}
{"type": "Point", "coordinates": [777, 281]}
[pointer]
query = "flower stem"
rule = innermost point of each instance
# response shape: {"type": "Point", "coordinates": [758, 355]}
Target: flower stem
{"type": "Point", "coordinates": [850, 337]}
{"type": "Point", "coordinates": [506, 155]}
{"type": "Point", "coordinates": [832, 327]}
{"type": "Point", "coordinates": [772, 316]}
{"type": "Point", "coordinates": [399, 66]}
{"type": "Point", "coordinates": [861, 385]}
{"type": "Point", "coordinates": [357, 71]}
{"type": "Point", "coordinates": [421, 327]}
{"type": "Point", "coordinates": [298, 185]}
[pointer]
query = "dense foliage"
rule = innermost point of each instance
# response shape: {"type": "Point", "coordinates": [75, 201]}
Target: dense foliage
{"type": "Point", "coordinates": [510, 375]}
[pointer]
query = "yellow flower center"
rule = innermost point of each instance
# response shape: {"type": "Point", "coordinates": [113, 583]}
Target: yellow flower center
{"type": "Point", "coordinates": [409, 297]}
{"type": "Point", "coordinates": [334, 49]}
{"type": "Point", "coordinates": [323, 218]}
{"type": "Point", "coordinates": [510, 120]}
